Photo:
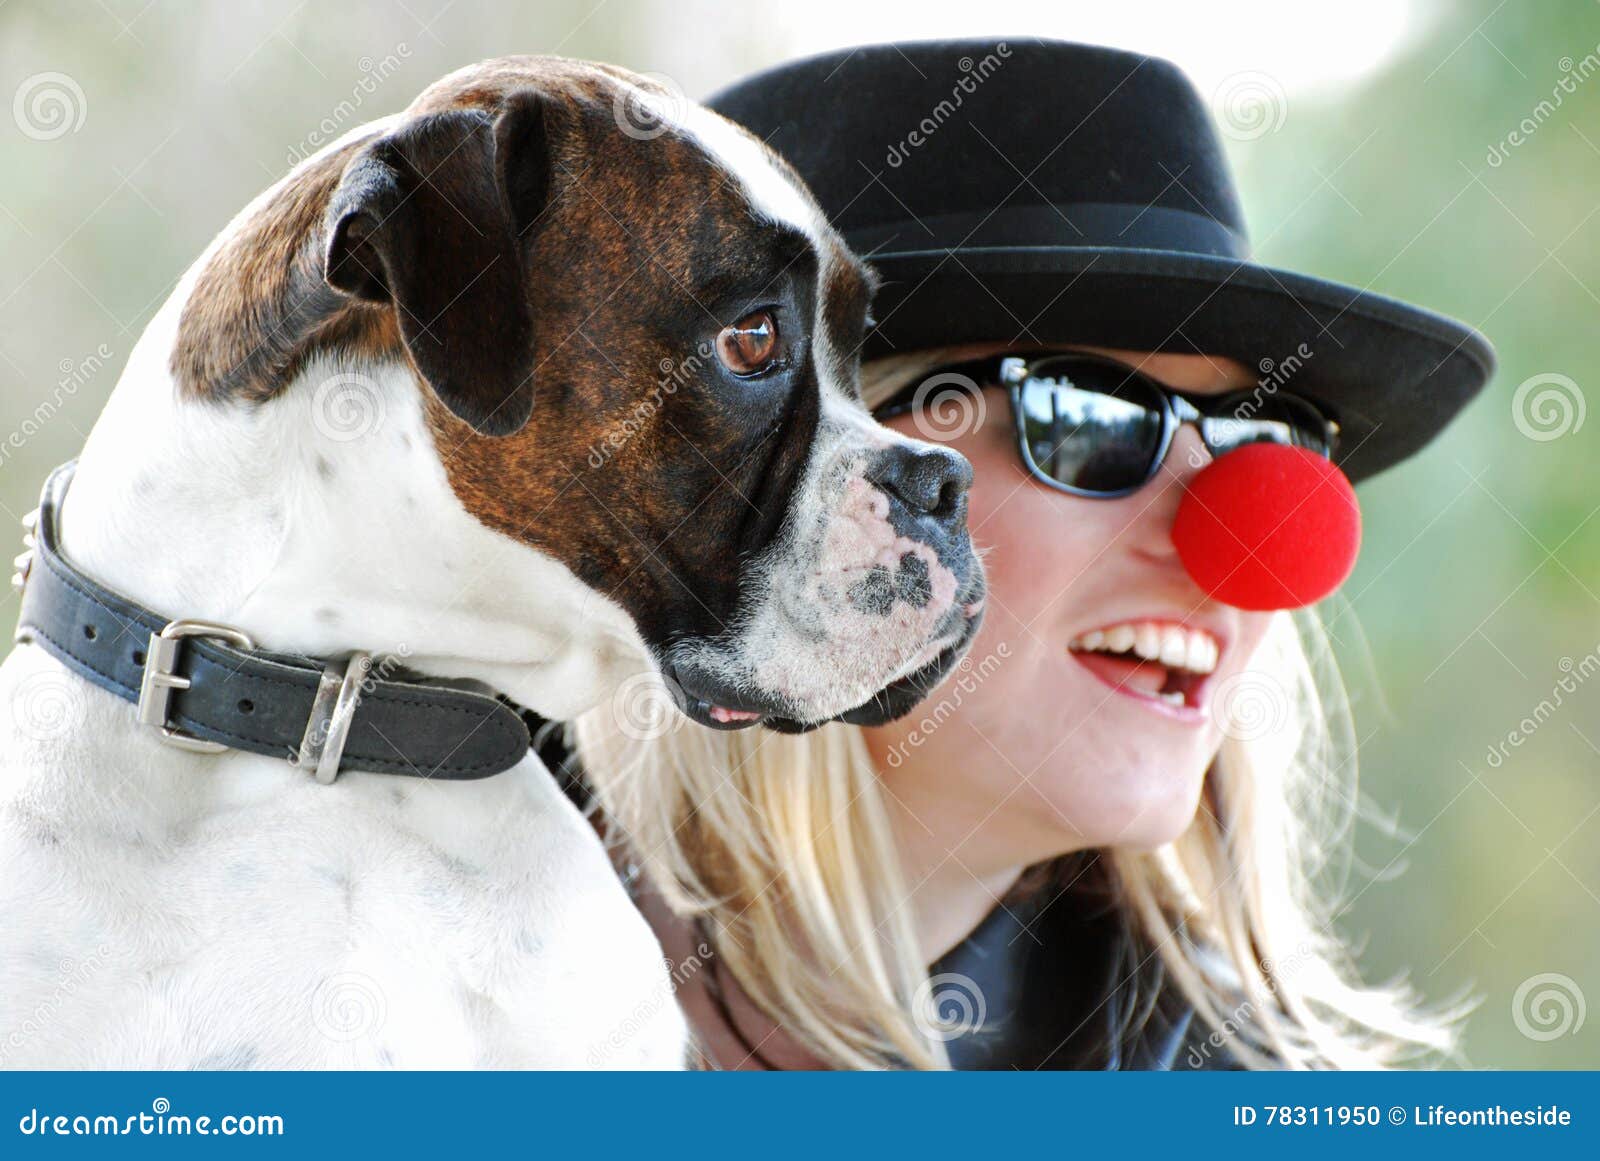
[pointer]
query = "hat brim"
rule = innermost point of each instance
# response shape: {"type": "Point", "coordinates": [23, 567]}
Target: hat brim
{"type": "Point", "coordinates": [1392, 374]}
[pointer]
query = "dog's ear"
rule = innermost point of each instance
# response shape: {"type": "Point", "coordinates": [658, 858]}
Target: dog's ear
{"type": "Point", "coordinates": [435, 218]}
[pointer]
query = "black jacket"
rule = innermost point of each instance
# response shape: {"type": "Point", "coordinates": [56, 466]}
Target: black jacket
{"type": "Point", "coordinates": [1055, 980]}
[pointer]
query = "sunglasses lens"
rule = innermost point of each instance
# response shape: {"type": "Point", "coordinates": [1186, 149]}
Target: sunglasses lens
{"type": "Point", "coordinates": [1090, 426]}
{"type": "Point", "coordinates": [1255, 418]}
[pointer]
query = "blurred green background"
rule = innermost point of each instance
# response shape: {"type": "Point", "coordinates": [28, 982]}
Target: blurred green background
{"type": "Point", "coordinates": [1447, 154]}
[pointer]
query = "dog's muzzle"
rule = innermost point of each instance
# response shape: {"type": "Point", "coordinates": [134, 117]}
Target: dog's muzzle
{"type": "Point", "coordinates": [862, 610]}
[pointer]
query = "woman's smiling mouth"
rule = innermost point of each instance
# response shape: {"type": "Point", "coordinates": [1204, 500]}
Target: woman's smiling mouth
{"type": "Point", "coordinates": [1163, 663]}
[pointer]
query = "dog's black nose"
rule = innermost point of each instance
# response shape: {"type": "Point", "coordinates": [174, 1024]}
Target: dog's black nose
{"type": "Point", "coordinates": [928, 481]}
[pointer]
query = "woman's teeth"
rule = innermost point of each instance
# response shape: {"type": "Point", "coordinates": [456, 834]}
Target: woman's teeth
{"type": "Point", "coordinates": [1176, 647]}
{"type": "Point", "coordinates": [1184, 652]}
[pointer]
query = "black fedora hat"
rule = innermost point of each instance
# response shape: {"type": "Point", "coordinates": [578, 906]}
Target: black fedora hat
{"type": "Point", "coordinates": [1042, 193]}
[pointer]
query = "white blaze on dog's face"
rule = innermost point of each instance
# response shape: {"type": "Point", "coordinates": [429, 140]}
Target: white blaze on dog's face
{"type": "Point", "coordinates": [870, 589]}
{"type": "Point", "coordinates": [638, 338]}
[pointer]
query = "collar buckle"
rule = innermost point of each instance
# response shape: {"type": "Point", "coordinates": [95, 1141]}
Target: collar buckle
{"type": "Point", "coordinates": [161, 677]}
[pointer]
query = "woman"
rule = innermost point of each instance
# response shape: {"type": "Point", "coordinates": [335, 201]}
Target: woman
{"type": "Point", "coordinates": [1066, 857]}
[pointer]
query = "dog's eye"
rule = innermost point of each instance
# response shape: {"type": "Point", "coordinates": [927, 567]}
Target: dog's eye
{"type": "Point", "coordinates": [750, 345]}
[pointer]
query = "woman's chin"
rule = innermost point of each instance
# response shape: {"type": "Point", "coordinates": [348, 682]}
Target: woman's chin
{"type": "Point", "coordinates": [1140, 807]}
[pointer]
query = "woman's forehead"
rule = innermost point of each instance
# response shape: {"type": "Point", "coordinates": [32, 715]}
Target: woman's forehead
{"type": "Point", "coordinates": [1191, 374]}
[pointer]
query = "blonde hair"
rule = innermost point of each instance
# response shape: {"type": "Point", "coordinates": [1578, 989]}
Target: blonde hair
{"type": "Point", "coordinates": [782, 845]}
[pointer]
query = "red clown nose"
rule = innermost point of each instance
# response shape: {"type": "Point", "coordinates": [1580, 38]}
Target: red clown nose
{"type": "Point", "coordinates": [1269, 527]}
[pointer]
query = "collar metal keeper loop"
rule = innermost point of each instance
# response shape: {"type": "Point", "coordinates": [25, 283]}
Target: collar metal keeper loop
{"type": "Point", "coordinates": [332, 713]}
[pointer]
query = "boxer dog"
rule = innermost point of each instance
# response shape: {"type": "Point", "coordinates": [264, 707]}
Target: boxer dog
{"type": "Point", "coordinates": [543, 385]}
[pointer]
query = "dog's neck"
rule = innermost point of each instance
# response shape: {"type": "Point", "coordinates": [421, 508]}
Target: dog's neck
{"type": "Point", "coordinates": [322, 521]}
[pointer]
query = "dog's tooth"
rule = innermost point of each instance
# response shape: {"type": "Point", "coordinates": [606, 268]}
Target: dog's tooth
{"type": "Point", "coordinates": [1174, 647]}
{"type": "Point", "coordinates": [1147, 641]}
{"type": "Point", "coordinates": [1120, 639]}
{"type": "Point", "coordinates": [1093, 639]}
{"type": "Point", "coordinates": [1207, 661]}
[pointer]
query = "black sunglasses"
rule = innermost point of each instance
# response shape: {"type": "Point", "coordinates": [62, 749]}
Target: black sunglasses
{"type": "Point", "coordinates": [1091, 426]}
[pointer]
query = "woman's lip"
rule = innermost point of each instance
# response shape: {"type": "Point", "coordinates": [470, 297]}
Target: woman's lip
{"type": "Point", "coordinates": [1186, 714]}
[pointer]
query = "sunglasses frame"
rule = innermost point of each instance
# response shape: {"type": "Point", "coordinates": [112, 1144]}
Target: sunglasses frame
{"type": "Point", "coordinates": [1176, 410]}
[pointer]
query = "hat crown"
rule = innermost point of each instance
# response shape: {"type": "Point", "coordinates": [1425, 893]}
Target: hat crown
{"type": "Point", "coordinates": [918, 144]}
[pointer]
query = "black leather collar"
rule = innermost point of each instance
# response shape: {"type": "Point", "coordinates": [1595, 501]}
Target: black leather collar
{"type": "Point", "coordinates": [204, 687]}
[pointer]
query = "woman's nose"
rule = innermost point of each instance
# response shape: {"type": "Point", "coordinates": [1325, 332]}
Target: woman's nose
{"type": "Point", "coordinates": [1187, 457]}
{"type": "Point", "coordinates": [1156, 504]}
